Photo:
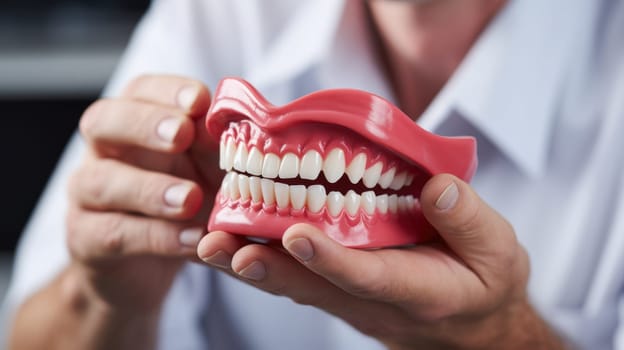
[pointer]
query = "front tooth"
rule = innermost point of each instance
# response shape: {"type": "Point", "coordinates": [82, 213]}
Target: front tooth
{"type": "Point", "coordinates": [281, 195]}
{"type": "Point", "coordinates": [222, 154]}
{"type": "Point", "coordinates": [393, 203]}
{"type": "Point", "coordinates": [386, 179]}
{"type": "Point", "coordinates": [368, 202]}
{"type": "Point", "coordinates": [289, 168]}
{"type": "Point", "coordinates": [311, 165]}
{"type": "Point", "coordinates": [352, 202]}
{"type": "Point", "coordinates": [255, 189]}
{"type": "Point", "coordinates": [254, 162]}
{"type": "Point", "coordinates": [243, 187]}
{"type": "Point", "coordinates": [270, 166]}
{"type": "Point", "coordinates": [297, 196]}
{"type": "Point", "coordinates": [230, 149]}
{"type": "Point", "coordinates": [334, 166]}
{"type": "Point", "coordinates": [399, 181]}
{"type": "Point", "coordinates": [316, 198]}
{"type": "Point", "coordinates": [225, 186]}
{"type": "Point", "coordinates": [402, 204]}
{"type": "Point", "coordinates": [234, 191]}
{"type": "Point", "coordinates": [372, 175]}
{"type": "Point", "coordinates": [356, 169]}
{"type": "Point", "coordinates": [382, 203]}
{"type": "Point", "coordinates": [240, 158]}
{"type": "Point", "coordinates": [335, 203]}
{"type": "Point", "coordinates": [268, 191]}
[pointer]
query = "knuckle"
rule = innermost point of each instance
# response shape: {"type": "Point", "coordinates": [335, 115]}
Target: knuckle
{"type": "Point", "coordinates": [92, 184]}
{"type": "Point", "coordinates": [112, 235]}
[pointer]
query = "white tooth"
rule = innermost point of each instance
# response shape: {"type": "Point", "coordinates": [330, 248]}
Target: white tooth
{"type": "Point", "coordinates": [316, 198]}
{"type": "Point", "coordinates": [222, 154]}
{"type": "Point", "coordinates": [281, 195]}
{"type": "Point", "coordinates": [234, 191]}
{"type": "Point", "coordinates": [399, 181]}
{"type": "Point", "coordinates": [409, 179]}
{"type": "Point", "coordinates": [230, 149]}
{"type": "Point", "coordinates": [393, 203]}
{"type": "Point", "coordinates": [382, 203]}
{"type": "Point", "coordinates": [225, 186]}
{"type": "Point", "coordinates": [334, 165]}
{"type": "Point", "coordinates": [402, 204]}
{"type": "Point", "coordinates": [289, 168]}
{"type": "Point", "coordinates": [411, 203]}
{"type": "Point", "coordinates": [240, 158]}
{"type": "Point", "coordinates": [268, 191]}
{"type": "Point", "coordinates": [372, 175]}
{"type": "Point", "coordinates": [352, 202]}
{"type": "Point", "coordinates": [243, 187]}
{"type": "Point", "coordinates": [335, 203]}
{"type": "Point", "coordinates": [355, 170]}
{"type": "Point", "coordinates": [297, 196]}
{"type": "Point", "coordinates": [255, 189]}
{"type": "Point", "coordinates": [386, 178]}
{"type": "Point", "coordinates": [311, 165]}
{"type": "Point", "coordinates": [254, 162]}
{"type": "Point", "coordinates": [368, 202]}
{"type": "Point", "coordinates": [270, 166]}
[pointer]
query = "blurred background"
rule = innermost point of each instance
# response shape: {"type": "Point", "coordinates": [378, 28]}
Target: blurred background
{"type": "Point", "coordinates": [55, 58]}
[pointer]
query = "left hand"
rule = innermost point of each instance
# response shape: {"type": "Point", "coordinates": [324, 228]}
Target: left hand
{"type": "Point", "coordinates": [466, 291]}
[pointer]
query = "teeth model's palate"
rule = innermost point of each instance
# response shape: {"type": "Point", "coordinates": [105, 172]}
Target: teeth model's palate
{"type": "Point", "coordinates": [254, 177]}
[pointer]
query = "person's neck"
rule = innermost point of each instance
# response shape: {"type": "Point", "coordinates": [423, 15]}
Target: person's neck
{"type": "Point", "coordinates": [423, 42]}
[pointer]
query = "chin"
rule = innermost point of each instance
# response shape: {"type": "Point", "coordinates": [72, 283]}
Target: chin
{"type": "Point", "coordinates": [343, 160]}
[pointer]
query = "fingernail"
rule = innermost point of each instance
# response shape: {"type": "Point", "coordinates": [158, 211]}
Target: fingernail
{"type": "Point", "coordinates": [301, 249]}
{"type": "Point", "coordinates": [176, 195]}
{"type": "Point", "coordinates": [448, 198]}
{"type": "Point", "coordinates": [168, 129]}
{"type": "Point", "coordinates": [254, 271]}
{"type": "Point", "coordinates": [220, 259]}
{"type": "Point", "coordinates": [187, 96]}
{"type": "Point", "coordinates": [190, 237]}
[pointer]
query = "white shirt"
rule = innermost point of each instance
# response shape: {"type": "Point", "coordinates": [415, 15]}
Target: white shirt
{"type": "Point", "coordinates": [542, 90]}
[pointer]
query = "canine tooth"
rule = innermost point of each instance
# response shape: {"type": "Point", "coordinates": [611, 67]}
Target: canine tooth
{"type": "Point", "coordinates": [311, 164]}
{"type": "Point", "coordinates": [372, 175]}
{"type": "Point", "coordinates": [368, 202]}
{"type": "Point", "coordinates": [255, 189]}
{"type": "Point", "coordinates": [270, 166]}
{"type": "Point", "coordinates": [386, 178]}
{"type": "Point", "coordinates": [230, 149]}
{"type": "Point", "coordinates": [268, 191]}
{"type": "Point", "coordinates": [356, 169]}
{"type": "Point", "coordinates": [281, 195]}
{"type": "Point", "coordinates": [240, 158]}
{"type": "Point", "coordinates": [399, 181]}
{"type": "Point", "coordinates": [254, 162]}
{"type": "Point", "coordinates": [334, 165]}
{"type": "Point", "coordinates": [289, 168]}
{"type": "Point", "coordinates": [316, 198]}
{"type": "Point", "coordinates": [409, 179]}
{"type": "Point", "coordinates": [352, 202]}
{"type": "Point", "coordinates": [411, 203]}
{"type": "Point", "coordinates": [402, 204]}
{"type": "Point", "coordinates": [335, 203]}
{"type": "Point", "coordinates": [382, 203]}
{"type": "Point", "coordinates": [234, 191]}
{"type": "Point", "coordinates": [393, 203]}
{"type": "Point", "coordinates": [297, 196]}
{"type": "Point", "coordinates": [243, 187]}
{"type": "Point", "coordinates": [222, 154]}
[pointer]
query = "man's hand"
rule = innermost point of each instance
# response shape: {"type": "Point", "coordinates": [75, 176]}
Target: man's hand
{"type": "Point", "coordinates": [464, 291]}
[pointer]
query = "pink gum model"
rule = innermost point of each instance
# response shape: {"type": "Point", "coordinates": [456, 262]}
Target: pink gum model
{"type": "Point", "coordinates": [346, 161]}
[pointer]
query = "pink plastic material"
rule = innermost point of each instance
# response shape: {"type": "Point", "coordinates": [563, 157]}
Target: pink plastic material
{"type": "Point", "coordinates": [353, 120]}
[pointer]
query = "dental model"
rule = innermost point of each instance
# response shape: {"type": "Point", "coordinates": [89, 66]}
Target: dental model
{"type": "Point", "coordinates": [346, 161]}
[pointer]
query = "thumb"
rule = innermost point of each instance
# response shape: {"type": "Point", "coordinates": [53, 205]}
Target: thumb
{"type": "Point", "coordinates": [478, 234]}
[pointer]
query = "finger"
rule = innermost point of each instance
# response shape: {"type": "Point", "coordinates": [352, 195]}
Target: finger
{"type": "Point", "coordinates": [96, 236]}
{"type": "Point", "coordinates": [190, 95]}
{"type": "Point", "coordinates": [217, 248]}
{"type": "Point", "coordinates": [111, 185]}
{"type": "Point", "coordinates": [470, 227]}
{"type": "Point", "coordinates": [111, 124]}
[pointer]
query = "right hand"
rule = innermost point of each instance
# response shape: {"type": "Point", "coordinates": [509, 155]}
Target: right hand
{"type": "Point", "coordinates": [137, 207]}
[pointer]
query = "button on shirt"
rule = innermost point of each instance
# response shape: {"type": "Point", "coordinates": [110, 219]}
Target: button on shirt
{"type": "Point", "coordinates": [541, 90]}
